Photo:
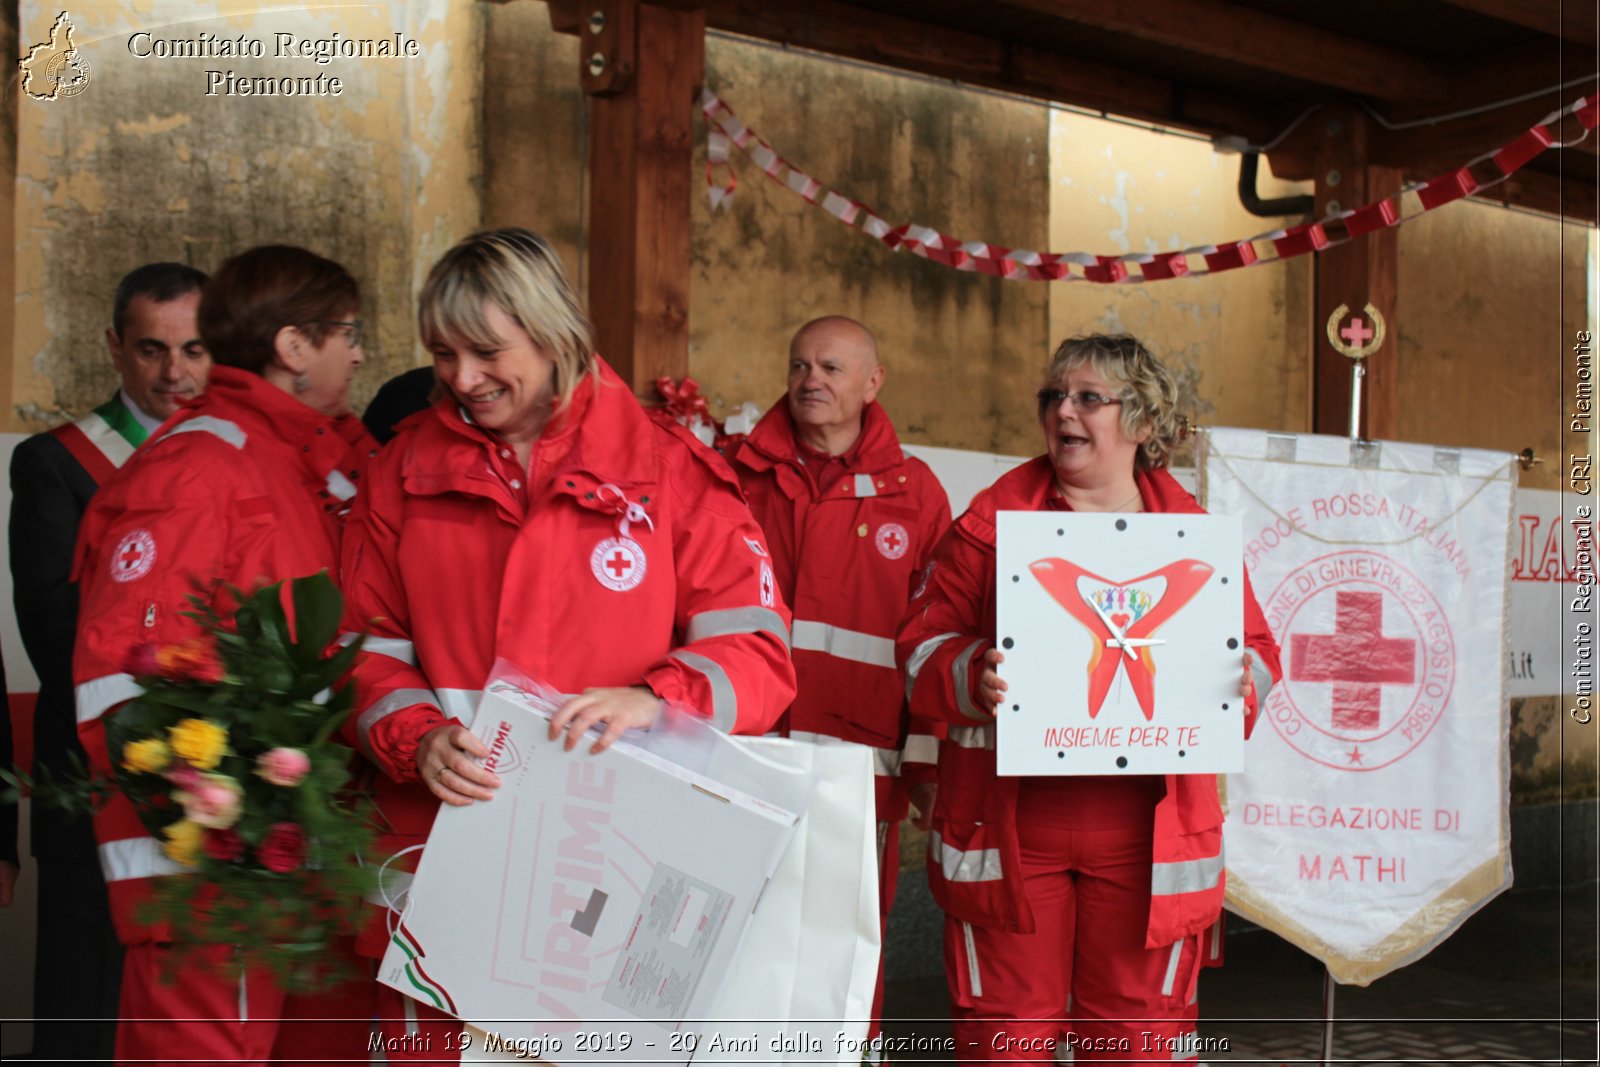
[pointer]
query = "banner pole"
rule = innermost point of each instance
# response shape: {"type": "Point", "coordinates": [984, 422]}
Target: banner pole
{"type": "Point", "coordinates": [1327, 1011]}
{"type": "Point", "coordinates": [1358, 371]}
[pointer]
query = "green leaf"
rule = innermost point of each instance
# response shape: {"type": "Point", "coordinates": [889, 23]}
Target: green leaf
{"type": "Point", "coordinates": [317, 610]}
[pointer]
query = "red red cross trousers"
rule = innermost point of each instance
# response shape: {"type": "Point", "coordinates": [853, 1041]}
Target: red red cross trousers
{"type": "Point", "coordinates": [619, 564]}
{"type": "Point", "coordinates": [1356, 658]}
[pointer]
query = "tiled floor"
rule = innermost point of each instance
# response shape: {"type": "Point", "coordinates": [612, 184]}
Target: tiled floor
{"type": "Point", "coordinates": [1516, 985]}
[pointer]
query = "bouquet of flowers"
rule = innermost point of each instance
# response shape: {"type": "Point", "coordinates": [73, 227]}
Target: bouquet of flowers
{"type": "Point", "coordinates": [230, 760]}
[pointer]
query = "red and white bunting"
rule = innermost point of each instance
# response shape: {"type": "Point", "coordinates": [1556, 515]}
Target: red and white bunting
{"type": "Point", "coordinates": [1131, 268]}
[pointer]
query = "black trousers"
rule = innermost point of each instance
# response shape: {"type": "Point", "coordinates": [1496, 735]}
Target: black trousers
{"type": "Point", "coordinates": [77, 969]}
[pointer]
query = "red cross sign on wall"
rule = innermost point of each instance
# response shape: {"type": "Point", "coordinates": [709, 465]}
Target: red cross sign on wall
{"type": "Point", "coordinates": [1356, 658]}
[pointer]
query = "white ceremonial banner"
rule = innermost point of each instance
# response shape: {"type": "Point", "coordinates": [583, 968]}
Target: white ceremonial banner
{"type": "Point", "coordinates": [1374, 818]}
{"type": "Point", "coordinates": [591, 911]}
{"type": "Point", "coordinates": [1123, 643]}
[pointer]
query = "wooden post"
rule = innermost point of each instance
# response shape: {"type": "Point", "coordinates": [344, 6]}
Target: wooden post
{"type": "Point", "coordinates": [1363, 271]}
{"type": "Point", "coordinates": [642, 66]}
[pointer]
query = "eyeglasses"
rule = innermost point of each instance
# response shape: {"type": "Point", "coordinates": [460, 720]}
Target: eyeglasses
{"type": "Point", "coordinates": [1084, 401]}
{"type": "Point", "coordinates": [354, 326]}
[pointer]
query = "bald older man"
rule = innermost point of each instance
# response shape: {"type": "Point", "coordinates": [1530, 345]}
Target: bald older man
{"type": "Point", "coordinates": [851, 522]}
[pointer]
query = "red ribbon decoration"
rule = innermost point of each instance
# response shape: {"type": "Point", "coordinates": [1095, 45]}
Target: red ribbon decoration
{"type": "Point", "coordinates": [1003, 262]}
{"type": "Point", "coordinates": [1060, 579]}
{"type": "Point", "coordinates": [683, 399]}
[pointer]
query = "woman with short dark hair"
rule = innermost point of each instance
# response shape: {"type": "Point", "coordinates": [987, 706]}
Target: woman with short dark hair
{"type": "Point", "coordinates": [246, 486]}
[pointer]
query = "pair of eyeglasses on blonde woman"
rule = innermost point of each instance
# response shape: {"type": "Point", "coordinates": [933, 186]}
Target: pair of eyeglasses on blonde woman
{"type": "Point", "coordinates": [1084, 401]}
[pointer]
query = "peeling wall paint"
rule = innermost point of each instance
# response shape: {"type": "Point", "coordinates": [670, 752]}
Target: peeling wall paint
{"type": "Point", "coordinates": [144, 165]}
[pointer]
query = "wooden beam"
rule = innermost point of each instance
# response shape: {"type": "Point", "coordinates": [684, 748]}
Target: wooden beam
{"type": "Point", "coordinates": [908, 44]}
{"type": "Point", "coordinates": [1360, 272]}
{"type": "Point", "coordinates": [1259, 40]}
{"type": "Point", "coordinates": [1571, 199]}
{"type": "Point", "coordinates": [1573, 20]}
{"type": "Point", "coordinates": [640, 176]}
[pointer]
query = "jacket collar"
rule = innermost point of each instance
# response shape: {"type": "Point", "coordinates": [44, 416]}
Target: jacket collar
{"type": "Point", "coordinates": [613, 437]}
{"type": "Point", "coordinates": [1031, 487]}
{"type": "Point", "coordinates": [773, 441]}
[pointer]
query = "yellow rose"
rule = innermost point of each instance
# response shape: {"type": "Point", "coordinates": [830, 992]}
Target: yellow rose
{"type": "Point", "coordinates": [199, 741]}
{"type": "Point", "coordinates": [149, 756]}
{"type": "Point", "coordinates": [183, 842]}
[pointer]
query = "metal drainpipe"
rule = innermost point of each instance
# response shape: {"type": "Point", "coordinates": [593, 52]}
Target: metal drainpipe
{"type": "Point", "coordinates": [1249, 166]}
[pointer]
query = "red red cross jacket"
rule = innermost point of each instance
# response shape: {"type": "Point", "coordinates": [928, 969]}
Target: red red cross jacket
{"type": "Point", "coordinates": [847, 559]}
{"type": "Point", "coordinates": [635, 560]}
{"type": "Point", "coordinates": [972, 852]}
{"type": "Point", "coordinates": [247, 485]}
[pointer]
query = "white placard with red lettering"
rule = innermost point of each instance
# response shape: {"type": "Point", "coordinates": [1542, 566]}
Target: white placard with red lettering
{"type": "Point", "coordinates": [1374, 816]}
{"type": "Point", "coordinates": [1123, 643]}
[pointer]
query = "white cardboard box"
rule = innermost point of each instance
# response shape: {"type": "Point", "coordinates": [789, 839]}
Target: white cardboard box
{"type": "Point", "coordinates": [589, 912]}
{"type": "Point", "coordinates": [1123, 637]}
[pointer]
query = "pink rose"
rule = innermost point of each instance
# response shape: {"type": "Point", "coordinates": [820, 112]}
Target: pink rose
{"type": "Point", "coordinates": [214, 802]}
{"type": "Point", "coordinates": [184, 776]}
{"type": "Point", "coordinates": [225, 845]}
{"type": "Point", "coordinates": [283, 849]}
{"type": "Point", "coordinates": [284, 766]}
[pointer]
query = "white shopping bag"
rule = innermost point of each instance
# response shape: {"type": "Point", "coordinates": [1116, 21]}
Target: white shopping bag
{"type": "Point", "coordinates": [800, 987]}
{"type": "Point", "coordinates": [591, 911]}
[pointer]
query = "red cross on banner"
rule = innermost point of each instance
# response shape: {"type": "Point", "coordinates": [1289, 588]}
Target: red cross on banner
{"type": "Point", "coordinates": [1356, 658]}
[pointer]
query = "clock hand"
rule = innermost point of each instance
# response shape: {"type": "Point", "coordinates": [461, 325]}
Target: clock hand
{"type": "Point", "coordinates": [1116, 631]}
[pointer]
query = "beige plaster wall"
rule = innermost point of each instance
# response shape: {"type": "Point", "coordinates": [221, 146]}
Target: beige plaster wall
{"type": "Point", "coordinates": [143, 165]}
{"type": "Point", "coordinates": [960, 348]}
{"type": "Point", "coordinates": [1237, 340]}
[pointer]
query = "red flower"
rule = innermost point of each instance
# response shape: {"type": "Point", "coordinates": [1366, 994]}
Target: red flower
{"type": "Point", "coordinates": [284, 847]}
{"type": "Point", "coordinates": [141, 660]}
{"type": "Point", "coordinates": [194, 660]}
{"type": "Point", "coordinates": [225, 845]}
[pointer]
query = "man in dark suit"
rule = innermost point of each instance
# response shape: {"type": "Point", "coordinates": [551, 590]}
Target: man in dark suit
{"type": "Point", "coordinates": [155, 347]}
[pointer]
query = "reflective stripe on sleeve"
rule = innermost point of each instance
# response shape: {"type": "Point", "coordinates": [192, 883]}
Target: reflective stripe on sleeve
{"type": "Point", "coordinates": [460, 703]}
{"type": "Point", "coordinates": [1261, 675]}
{"type": "Point", "coordinates": [959, 674]}
{"type": "Point", "coordinates": [137, 857]}
{"type": "Point", "coordinates": [386, 706]}
{"type": "Point", "coordinates": [724, 701]}
{"type": "Point", "coordinates": [972, 736]}
{"type": "Point", "coordinates": [393, 647]}
{"type": "Point", "coordinates": [921, 748]}
{"type": "Point", "coordinates": [1189, 876]}
{"type": "Point", "coordinates": [737, 621]}
{"type": "Point", "coordinates": [95, 697]}
{"type": "Point", "coordinates": [844, 644]}
{"type": "Point", "coordinates": [920, 656]}
{"type": "Point", "coordinates": [978, 865]}
{"type": "Point", "coordinates": [219, 428]}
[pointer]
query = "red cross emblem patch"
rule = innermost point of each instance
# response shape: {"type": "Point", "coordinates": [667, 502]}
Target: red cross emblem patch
{"type": "Point", "coordinates": [892, 540]}
{"type": "Point", "coordinates": [767, 594]}
{"type": "Point", "coordinates": [618, 563]}
{"type": "Point", "coordinates": [134, 556]}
